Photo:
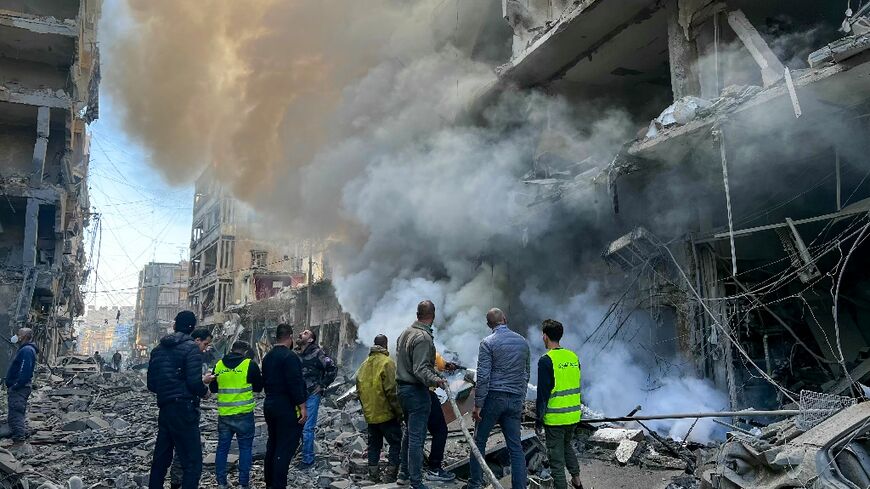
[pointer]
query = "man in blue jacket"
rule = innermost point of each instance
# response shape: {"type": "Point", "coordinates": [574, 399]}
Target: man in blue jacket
{"type": "Point", "coordinates": [18, 384]}
{"type": "Point", "coordinates": [175, 375]}
{"type": "Point", "coordinates": [503, 364]}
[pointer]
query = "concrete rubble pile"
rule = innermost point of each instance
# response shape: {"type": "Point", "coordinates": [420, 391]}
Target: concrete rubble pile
{"type": "Point", "coordinates": [101, 428]}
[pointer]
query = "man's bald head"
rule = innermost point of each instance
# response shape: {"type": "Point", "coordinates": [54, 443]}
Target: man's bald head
{"type": "Point", "coordinates": [426, 310]}
{"type": "Point", "coordinates": [495, 317]}
{"type": "Point", "coordinates": [381, 340]}
{"type": "Point", "coordinates": [25, 335]}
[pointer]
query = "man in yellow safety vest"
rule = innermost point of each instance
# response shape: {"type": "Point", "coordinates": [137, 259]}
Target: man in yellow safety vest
{"type": "Point", "coordinates": [237, 377]}
{"type": "Point", "coordinates": [558, 404]}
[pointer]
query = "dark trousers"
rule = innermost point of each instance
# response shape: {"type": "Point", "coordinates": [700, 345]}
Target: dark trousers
{"type": "Point", "coordinates": [17, 418]}
{"type": "Point", "coordinates": [284, 435]}
{"type": "Point", "coordinates": [415, 404]}
{"type": "Point", "coordinates": [560, 451]}
{"type": "Point", "coordinates": [506, 410]}
{"type": "Point", "coordinates": [177, 432]}
{"type": "Point", "coordinates": [437, 426]}
{"type": "Point", "coordinates": [391, 431]}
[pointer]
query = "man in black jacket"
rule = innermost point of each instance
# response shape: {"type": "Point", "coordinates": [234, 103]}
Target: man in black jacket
{"type": "Point", "coordinates": [175, 375]}
{"type": "Point", "coordinates": [319, 371]}
{"type": "Point", "coordinates": [284, 406]}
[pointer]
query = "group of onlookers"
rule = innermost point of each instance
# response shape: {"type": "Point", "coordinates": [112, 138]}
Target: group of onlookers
{"type": "Point", "coordinates": [399, 404]}
{"type": "Point", "coordinates": [398, 401]}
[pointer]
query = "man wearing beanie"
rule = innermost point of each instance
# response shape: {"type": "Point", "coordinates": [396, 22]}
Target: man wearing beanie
{"type": "Point", "coordinates": [175, 375]}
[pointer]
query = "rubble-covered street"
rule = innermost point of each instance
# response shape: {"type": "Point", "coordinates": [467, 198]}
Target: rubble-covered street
{"type": "Point", "coordinates": [634, 231]}
{"type": "Point", "coordinates": [101, 428]}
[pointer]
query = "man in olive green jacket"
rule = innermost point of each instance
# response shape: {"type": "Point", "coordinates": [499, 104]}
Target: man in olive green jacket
{"type": "Point", "coordinates": [376, 387]}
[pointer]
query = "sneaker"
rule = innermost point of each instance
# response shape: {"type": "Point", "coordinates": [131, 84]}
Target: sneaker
{"type": "Point", "coordinates": [402, 479]}
{"type": "Point", "coordinates": [439, 475]}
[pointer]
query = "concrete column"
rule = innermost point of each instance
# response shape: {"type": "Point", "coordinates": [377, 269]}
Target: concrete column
{"type": "Point", "coordinates": [683, 56]}
{"type": "Point", "coordinates": [31, 228]}
{"type": "Point", "coordinates": [772, 69]}
{"type": "Point", "coordinates": [43, 119]}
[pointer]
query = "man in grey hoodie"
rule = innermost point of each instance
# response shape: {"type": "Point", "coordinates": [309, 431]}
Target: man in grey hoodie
{"type": "Point", "coordinates": [415, 373]}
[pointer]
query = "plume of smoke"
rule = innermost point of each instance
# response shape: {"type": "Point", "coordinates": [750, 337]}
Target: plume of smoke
{"type": "Point", "coordinates": [351, 132]}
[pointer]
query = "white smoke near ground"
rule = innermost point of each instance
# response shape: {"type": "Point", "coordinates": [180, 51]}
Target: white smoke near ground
{"type": "Point", "coordinates": [617, 374]}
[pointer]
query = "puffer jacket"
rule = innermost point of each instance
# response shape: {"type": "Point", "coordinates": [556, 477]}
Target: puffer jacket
{"type": "Point", "coordinates": [318, 370]}
{"type": "Point", "coordinates": [175, 370]}
{"type": "Point", "coordinates": [376, 387]}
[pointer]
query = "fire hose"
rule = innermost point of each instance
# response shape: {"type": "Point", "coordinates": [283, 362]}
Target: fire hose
{"type": "Point", "coordinates": [474, 450]}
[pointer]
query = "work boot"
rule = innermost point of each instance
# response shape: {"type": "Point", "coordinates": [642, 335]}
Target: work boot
{"type": "Point", "coordinates": [390, 474]}
{"type": "Point", "coordinates": [402, 479]}
{"type": "Point", "coordinates": [374, 473]}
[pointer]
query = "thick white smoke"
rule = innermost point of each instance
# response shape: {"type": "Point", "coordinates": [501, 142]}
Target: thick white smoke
{"type": "Point", "coordinates": [618, 374]}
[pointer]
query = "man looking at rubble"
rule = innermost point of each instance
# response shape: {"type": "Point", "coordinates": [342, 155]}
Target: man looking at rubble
{"type": "Point", "coordinates": [236, 380]}
{"type": "Point", "coordinates": [116, 361]}
{"type": "Point", "coordinates": [379, 396]}
{"type": "Point", "coordinates": [175, 375]}
{"type": "Point", "coordinates": [19, 379]}
{"type": "Point", "coordinates": [284, 406]}
{"type": "Point", "coordinates": [502, 380]}
{"type": "Point", "coordinates": [558, 404]}
{"type": "Point", "coordinates": [415, 373]}
{"type": "Point", "coordinates": [319, 372]}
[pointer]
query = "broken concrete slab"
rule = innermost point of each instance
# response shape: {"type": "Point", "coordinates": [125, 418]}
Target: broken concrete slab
{"type": "Point", "coordinates": [613, 436]}
{"type": "Point", "coordinates": [625, 451]}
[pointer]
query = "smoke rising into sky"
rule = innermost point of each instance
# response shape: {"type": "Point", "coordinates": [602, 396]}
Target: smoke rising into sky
{"type": "Point", "coordinates": [338, 119]}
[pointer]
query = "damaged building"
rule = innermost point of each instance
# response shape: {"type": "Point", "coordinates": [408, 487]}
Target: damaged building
{"type": "Point", "coordinates": [742, 205]}
{"type": "Point", "coordinates": [243, 282]}
{"type": "Point", "coordinates": [49, 76]}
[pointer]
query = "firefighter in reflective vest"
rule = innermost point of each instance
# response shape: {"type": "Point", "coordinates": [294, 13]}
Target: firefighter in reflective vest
{"type": "Point", "coordinates": [558, 404]}
{"type": "Point", "coordinates": [237, 377]}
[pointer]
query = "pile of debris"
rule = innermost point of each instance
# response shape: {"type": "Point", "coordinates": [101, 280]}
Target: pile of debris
{"type": "Point", "coordinates": [100, 428]}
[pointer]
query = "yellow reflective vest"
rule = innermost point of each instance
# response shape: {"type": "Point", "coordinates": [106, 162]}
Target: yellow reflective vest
{"type": "Point", "coordinates": [563, 407]}
{"type": "Point", "coordinates": [235, 394]}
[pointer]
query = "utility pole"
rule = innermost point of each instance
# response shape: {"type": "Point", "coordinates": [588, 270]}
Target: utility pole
{"type": "Point", "coordinates": [308, 294]}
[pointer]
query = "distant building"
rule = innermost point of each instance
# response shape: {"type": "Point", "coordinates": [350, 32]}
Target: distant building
{"type": "Point", "coordinates": [162, 294]}
{"type": "Point", "coordinates": [105, 329]}
{"type": "Point", "coordinates": [232, 264]}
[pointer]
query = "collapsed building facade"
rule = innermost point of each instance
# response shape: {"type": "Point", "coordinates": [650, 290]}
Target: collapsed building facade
{"type": "Point", "coordinates": [741, 209]}
{"type": "Point", "coordinates": [243, 283]}
{"type": "Point", "coordinates": [49, 75]}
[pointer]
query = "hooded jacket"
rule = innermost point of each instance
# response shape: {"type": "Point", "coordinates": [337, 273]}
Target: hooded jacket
{"type": "Point", "coordinates": [232, 360]}
{"type": "Point", "coordinates": [20, 373]}
{"type": "Point", "coordinates": [175, 370]}
{"type": "Point", "coordinates": [376, 387]}
{"type": "Point", "coordinates": [318, 369]}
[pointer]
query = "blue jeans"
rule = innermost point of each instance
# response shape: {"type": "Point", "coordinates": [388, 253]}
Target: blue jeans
{"type": "Point", "coordinates": [308, 431]}
{"type": "Point", "coordinates": [242, 426]}
{"type": "Point", "coordinates": [506, 410]}
{"type": "Point", "coordinates": [416, 404]}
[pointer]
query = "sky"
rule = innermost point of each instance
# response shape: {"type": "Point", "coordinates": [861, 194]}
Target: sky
{"type": "Point", "coordinates": [140, 217]}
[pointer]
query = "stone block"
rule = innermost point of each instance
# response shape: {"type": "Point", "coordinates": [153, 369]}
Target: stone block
{"type": "Point", "coordinates": [625, 451]}
{"type": "Point", "coordinates": [613, 436]}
